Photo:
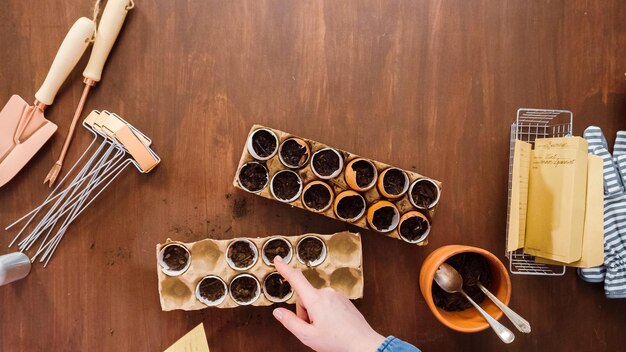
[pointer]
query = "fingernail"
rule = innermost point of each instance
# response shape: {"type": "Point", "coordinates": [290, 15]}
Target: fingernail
{"type": "Point", "coordinates": [278, 259]}
{"type": "Point", "coordinates": [278, 314]}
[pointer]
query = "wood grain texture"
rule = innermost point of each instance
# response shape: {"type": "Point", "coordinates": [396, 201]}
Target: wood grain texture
{"type": "Point", "coordinates": [431, 86]}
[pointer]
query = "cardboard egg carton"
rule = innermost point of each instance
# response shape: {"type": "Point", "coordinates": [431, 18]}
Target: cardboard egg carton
{"type": "Point", "coordinates": [341, 270]}
{"type": "Point", "coordinates": [338, 183]}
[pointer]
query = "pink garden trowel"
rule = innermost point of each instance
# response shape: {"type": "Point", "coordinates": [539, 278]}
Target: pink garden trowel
{"type": "Point", "coordinates": [24, 128]}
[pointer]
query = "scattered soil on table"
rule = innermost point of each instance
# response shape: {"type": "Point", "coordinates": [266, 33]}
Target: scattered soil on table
{"type": "Point", "coordinates": [471, 266]}
{"type": "Point", "coordinates": [175, 257]}
{"type": "Point", "coordinates": [317, 197]}
{"type": "Point", "coordinates": [244, 289]}
{"type": "Point", "coordinates": [240, 208]}
{"type": "Point", "coordinates": [286, 185]}
{"type": "Point", "coordinates": [253, 176]}
{"type": "Point", "coordinates": [293, 153]}
{"type": "Point", "coordinates": [394, 182]}
{"type": "Point", "coordinates": [277, 286]}
{"type": "Point", "coordinates": [413, 228]}
{"type": "Point", "coordinates": [241, 254]}
{"type": "Point", "coordinates": [310, 249]}
{"type": "Point", "coordinates": [350, 207]}
{"type": "Point", "coordinates": [212, 289]}
{"type": "Point", "coordinates": [424, 193]}
{"type": "Point", "coordinates": [326, 162]}
{"type": "Point", "coordinates": [263, 143]}
{"type": "Point", "coordinates": [276, 247]}
{"type": "Point", "coordinates": [383, 218]}
{"type": "Point", "coordinates": [364, 173]}
{"type": "Point", "coordinates": [117, 255]}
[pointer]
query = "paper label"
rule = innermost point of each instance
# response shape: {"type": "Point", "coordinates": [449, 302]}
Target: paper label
{"type": "Point", "coordinates": [556, 199]}
{"type": "Point", "coordinates": [593, 232]}
{"type": "Point", "coordinates": [519, 195]}
{"type": "Point", "coordinates": [193, 341]}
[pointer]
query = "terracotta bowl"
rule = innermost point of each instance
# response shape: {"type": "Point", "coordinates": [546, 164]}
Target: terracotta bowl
{"type": "Point", "coordinates": [468, 320]}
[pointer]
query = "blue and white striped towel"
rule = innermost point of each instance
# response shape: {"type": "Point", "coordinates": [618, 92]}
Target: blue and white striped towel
{"type": "Point", "coordinates": [613, 272]}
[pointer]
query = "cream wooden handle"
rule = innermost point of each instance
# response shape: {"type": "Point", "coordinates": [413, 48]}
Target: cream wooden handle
{"type": "Point", "coordinates": [110, 24]}
{"type": "Point", "coordinates": [70, 51]}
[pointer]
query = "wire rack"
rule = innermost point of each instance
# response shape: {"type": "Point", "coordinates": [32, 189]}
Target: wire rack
{"type": "Point", "coordinates": [529, 125]}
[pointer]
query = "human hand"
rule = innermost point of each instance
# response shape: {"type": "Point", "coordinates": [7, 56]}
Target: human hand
{"type": "Point", "coordinates": [325, 320]}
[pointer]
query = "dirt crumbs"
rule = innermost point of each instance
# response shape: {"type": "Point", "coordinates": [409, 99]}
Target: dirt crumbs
{"type": "Point", "coordinates": [350, 207]}
{"type": "Point", "coordinates": [244, 289]}
{"type": "Point", "coordinates": [253, 177]}
{"type": "Point", "coordinates": [117, 255]}
{"type": "Point", "coordinates": [310, 249]}
{"type": "Point", "coordinates": [424, 193]}
{"type": "Point", "coordinates": [212, 289]}
{"type": "Point", "coordinates": [293, 153]}
{"type": "Point", "coordinates": [364, 173]}
{"type": "Point", "coordinates": [383, 218]}
{"type": "Point", "coordinates": [241, 254]}
{"type": "Point", "coordinates": [240, 208]}
{"type": "Point", "coordinates": [175, 257]}
{"type": "Point", "coordinates": [286, 185]}
{"type": "Point", "coordinates": [276, 286]}
{"type": "Point", "coordinates": [317, 197]}
{"type": "Point", "coordinates": [413, 228]}
{"type": "Point", "coordinates": [276, 247]}
{"type": "Point", "coordinates": [394, 182]}
{"type": "Point", "coordinates": [326, 162]}
{"type": "Point", "coordinates": [264, 143]}
{"type": "Point", "coordinates": [472, 267]}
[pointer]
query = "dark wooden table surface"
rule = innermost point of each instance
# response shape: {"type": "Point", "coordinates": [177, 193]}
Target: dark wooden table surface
{"type": "Point", "coordinates": [425, 85]}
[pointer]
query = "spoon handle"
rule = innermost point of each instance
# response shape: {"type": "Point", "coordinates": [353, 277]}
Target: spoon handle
{"type": "Point", "coordinates": [520, 323]}
{"type": "Point", "coordinates": [503, 333]}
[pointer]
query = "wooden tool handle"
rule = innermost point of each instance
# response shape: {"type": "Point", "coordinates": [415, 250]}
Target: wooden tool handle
{"type": "Point", "coordinates": [70, 51]}
{"type": "Point", "coordinates": [110, 24]}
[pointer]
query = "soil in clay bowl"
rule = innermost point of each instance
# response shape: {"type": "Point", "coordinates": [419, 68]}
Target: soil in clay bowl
{"type": "Point", "coordinates": [326, 163]}
{"type": "Point", "coordinates": [253, 177]}
{"type": "Point", "coordinates": [317, 197]}
{"type": "Point", "coordinates": [262, 144]}
{"type": "Point", "coordinates": [211, 291]}
{"type": "Point", "coordinates": [424, 194]}
{"type": "Point", "coordinates": [383, 216]}
{"type": "Point", "coordinates": [245, 289]}
{"type": "Point", "coordinates": [311, 251]}
{"type": "Point", "coordinates": [468, 320]}
{"type": "Point", "coordinates": [294, 153]}
{"type": "Point", "coordinates": [361, 174]}
{"type": "Point", "coordinates": [350, 207]}
{"type": "Point", "coordinates": [174, 259]}
{"type": "Point", "coordinates": [277, 289]}
{"type": "Point", "coordinates": [393, 183]}
{"type": "Point", "coordinates": [241, 254]}
{"type": "Point", "coordinates": [472, 267]}
{"type": "Point", "coordinates": [286, 186]}
{"type": "Point", "coordinates": [276, 247]}
{"type": "Point", "coordinates": [414, 227]}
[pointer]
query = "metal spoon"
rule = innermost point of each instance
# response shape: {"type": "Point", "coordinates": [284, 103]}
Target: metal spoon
{"type": "Point", "coordinates": [520, 323]}
{"type": "Point", "coordinates": [451, 281]}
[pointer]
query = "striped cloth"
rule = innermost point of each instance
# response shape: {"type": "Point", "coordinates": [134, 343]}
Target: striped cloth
{"type": "Point", "coordinates": [613, 272]}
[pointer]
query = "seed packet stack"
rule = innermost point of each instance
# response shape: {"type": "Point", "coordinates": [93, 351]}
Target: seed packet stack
{"type": "Point", "coordinates": [556, 206]}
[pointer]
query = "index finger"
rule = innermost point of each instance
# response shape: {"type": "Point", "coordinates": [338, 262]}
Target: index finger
{"type": "Point", "coordinates": [296, 279]}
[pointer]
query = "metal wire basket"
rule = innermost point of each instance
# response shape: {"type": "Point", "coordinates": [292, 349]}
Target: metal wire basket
{"type": "Point", "coordinates": [529, 125]}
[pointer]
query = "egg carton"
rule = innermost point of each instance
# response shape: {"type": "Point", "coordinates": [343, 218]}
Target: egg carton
{"type": "Point", "coordinates": [337, 183]}
{"type": "Point", "coordinates": [340, 269]}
